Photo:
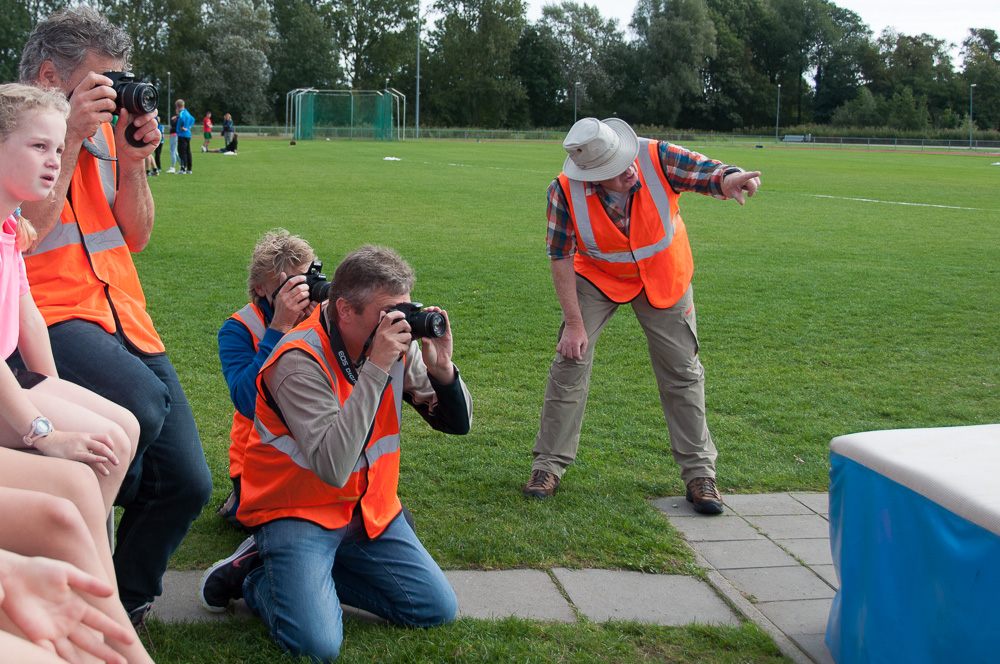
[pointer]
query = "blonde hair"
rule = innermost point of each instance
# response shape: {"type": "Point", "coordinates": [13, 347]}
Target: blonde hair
{"type": "Point", "coordinates": [17, 104]}
{"type": "Point", "coordinates": [276, 252]}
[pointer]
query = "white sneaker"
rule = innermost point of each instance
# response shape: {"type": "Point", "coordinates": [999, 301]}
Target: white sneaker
{"type": "Point", "coordinates": [204, 149]}
{"type": "Point", "coordinates": [171, 170]}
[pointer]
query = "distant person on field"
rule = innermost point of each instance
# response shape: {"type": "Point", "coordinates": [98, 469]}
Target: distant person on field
{"type": "Point", "coordinates": [615, 236]}
{"type": "Point", "coordinates": [227, 128]}
{"type": "Point", "coordinates": [231, 146]}
{"type": "Point", "coordinates": [279, 300]}
{"type": "Point", "coordinates": [206, 126]}
{"type": "Point", "coordinates": [173, 143]}
{"type": "Point", "coordinates": [184, 123]}
{"type": "Point", "coordinates": [322, 466]}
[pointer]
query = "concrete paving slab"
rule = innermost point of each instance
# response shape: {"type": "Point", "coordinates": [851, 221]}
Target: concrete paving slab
{"type": "Point", "coordinates": [814, 645]}
{"type": "Point", "coordinates": [796, 617]}
{"type": "Point", "coordinates": [828, 573]}
{"type": "Point", "coordinates": [715, 528]}
{"type": "Point", "coordinates": [766, 504]}
{"type": "Point", "coordinates": [769, 584]}
{"type": "Point", "coordinates": [180, 602]}
{"type": "Point", "coordinates": [525, 593]}
{"type": "Point", "coordinates": [742, 554]}
{"type": "Point", "coordinates": [664, 599]}
{"type": "Point", "coordinates": [809, 551]}
{"type": "Point", "coordinates": [817, 502]}
{"type": "Point", "coordinates": [804, 526]}
{"type": "Point", "coordinates": [675, 506]}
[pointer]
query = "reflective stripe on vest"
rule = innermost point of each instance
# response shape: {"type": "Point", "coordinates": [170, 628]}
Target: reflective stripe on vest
{"type": "Point", "coordinates": [106, 168]}
{"type": "Point", "coordinates": [252, 318]}
{"type": "Point", "coordinates": [587, 245]}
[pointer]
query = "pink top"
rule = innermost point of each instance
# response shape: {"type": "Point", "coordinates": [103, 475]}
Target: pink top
{"type": "Point", "coordinates": [13, 284]}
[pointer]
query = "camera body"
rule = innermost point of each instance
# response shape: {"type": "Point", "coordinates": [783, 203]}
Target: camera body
{"type": "Point", "coordinates": [423, 324]}
{"type": "Point", "coordinates": [136, 97]}
{"type": "Point", "coordinates": [316, 281]}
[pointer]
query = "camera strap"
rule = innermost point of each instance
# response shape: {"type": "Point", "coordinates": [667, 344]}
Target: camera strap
{"type": "Point", "coordinates": [347, 367]}
{"type": "Point", "coordinates": [97, 151]}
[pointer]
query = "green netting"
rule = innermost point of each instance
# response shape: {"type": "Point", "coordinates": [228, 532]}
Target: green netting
{"type": "Point", "coordinates": [355, 115]}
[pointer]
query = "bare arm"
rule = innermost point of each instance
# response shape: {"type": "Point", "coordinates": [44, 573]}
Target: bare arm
{"type": "Point", "coordinates": [573, 342]}
{"type": "Point", "coordinates": [133, 208]}
{"type": "Point", "coordinates": [33, 339]}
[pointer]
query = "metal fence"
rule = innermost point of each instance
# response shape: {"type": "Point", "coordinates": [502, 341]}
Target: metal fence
{"type": "Point", "coordinates": [683, 138]}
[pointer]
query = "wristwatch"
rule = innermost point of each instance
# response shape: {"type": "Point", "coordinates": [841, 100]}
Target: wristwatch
{"type": "Point", "coordinates": [40, 428]}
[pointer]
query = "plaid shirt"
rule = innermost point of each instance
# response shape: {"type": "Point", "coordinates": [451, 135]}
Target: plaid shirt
{"type": "Point", "coordinates": [685, 170]}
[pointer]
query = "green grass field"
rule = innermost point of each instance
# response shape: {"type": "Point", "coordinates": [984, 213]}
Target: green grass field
{"type": "Point", "coordinates": [818, 315]}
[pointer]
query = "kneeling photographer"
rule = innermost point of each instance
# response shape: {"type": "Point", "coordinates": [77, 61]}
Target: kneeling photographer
{"type": "Point", "coordinates": [285, 284]}
{"type": "Point", "coordinates": [322, 463]}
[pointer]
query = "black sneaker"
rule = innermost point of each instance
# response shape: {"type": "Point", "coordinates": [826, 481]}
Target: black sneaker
{"type": "Point", "coordinates": [704, 496]}
{"type": "Point", "coordinates": [137, 617]}
{"type": "Point", "coordinates": [224, 580]}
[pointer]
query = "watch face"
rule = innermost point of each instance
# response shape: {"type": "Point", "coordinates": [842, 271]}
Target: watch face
{"type": "Point", "coordinates": [42, 427]}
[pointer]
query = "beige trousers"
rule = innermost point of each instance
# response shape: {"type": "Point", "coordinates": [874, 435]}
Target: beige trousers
{"type": "Point", "coordinates": [672, 339]}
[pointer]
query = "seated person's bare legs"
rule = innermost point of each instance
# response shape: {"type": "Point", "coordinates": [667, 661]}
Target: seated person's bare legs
{"type": "Point", "coordinates": [73, 408]}
{"type": "Point", "coordinates": [18, 649]}
{"type": "Point", "coordinates": [35, 523]}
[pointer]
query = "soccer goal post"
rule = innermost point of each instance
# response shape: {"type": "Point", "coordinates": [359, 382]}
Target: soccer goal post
{"type": "Point", "coordinates": [345, 114]}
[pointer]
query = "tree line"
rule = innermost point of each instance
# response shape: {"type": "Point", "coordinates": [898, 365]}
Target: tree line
{"type": "Point", "coordinates": [699, 64]}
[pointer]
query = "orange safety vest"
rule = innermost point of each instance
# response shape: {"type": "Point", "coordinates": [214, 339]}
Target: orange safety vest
{"type": "Point", "coordinates": [277, 482]}
{"type": "Point", "coordinates": [83, 268]}
{"type": "Point", "coordinates": [252, 318]}
{"type": "Point", "coordinates": [656, 255]}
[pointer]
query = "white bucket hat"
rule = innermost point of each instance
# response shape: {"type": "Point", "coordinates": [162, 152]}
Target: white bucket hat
{"type": "Point", "coordinates": [599, 149]}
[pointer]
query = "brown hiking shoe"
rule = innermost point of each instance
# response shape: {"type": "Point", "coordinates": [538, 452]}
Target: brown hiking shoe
{"type": "Point", "coordinates": [541, 485]}
{"type": "Point", "coordinates": [702, 493]}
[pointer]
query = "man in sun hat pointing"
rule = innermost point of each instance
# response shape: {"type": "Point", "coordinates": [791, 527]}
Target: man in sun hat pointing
{"type": "Point", "coordinates": [615, 236]}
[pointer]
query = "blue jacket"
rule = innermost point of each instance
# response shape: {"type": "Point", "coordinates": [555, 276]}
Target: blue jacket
{"type": "Point", "coordinates": [240, 363]}
{"type": "Point", "coordinates": [184, 123]}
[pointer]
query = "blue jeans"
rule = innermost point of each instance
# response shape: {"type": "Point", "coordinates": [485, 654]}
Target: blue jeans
{"type": "Point", "coordinates": [173, 150]}
{"type": "Point", "coordinates": [168, 482]}
{"type": "Point", "coordinates": [308, 571]}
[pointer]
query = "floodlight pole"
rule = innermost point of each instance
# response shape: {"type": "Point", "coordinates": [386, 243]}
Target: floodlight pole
{"type": "Point", "coordinates": [419, 26]}
{"type": "Point", "coordinates": [777, 115]}
{"type": "Point", "coordinates": [971, 88]}
{"type": "Point", "coordinates": [576, 86]}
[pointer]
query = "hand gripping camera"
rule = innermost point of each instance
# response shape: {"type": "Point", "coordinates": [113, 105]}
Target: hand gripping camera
{"type": "Point", "coordinates": [137, 97]}
{"type": "Point", "coordinates": [423, 324]}
{"type": "Point", "coordinates": [315, 281]}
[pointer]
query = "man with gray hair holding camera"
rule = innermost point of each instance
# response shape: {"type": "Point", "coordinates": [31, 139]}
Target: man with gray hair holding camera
{"type": "Point", "coordinates": [615, 236]}
{"type": "Point", "coordinates": [321, 465]}
{"type": "Point", "coordinates": [85, 285]}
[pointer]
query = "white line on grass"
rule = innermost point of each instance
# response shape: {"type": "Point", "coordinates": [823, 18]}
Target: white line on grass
{"type": "Point", "coordinates": [872, 200]}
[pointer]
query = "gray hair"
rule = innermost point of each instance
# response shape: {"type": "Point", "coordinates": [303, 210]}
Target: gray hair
{"type": "Point", "coordinates": [367, 270]}
{"type": "Point", "coordinates": [66, 37]}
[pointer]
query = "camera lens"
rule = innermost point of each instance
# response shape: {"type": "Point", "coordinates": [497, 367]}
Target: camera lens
{"type": "Point", "coordinates": [319, 291]}
{"type": "Point", "coordinates": [138, 98]}
{"type": "Point", "coordinates": [427, 324]}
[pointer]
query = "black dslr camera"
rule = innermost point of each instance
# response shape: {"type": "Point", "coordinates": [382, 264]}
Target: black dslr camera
{"type": "Point", "coordinates": [422, 323]}
{"type": "Point", "coordinates": [137, 97]}
{"type": "Point", "coordinates": [315, 281]}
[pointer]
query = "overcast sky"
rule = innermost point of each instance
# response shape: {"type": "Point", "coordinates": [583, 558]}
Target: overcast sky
{"type": "Point", "coordinates": [949, 19]}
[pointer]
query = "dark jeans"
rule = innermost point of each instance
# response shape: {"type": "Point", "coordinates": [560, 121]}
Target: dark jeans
{"type": "Point", "coordinates": [184, 152]}
{"type": "Point", "coordinates": [168, 482]}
